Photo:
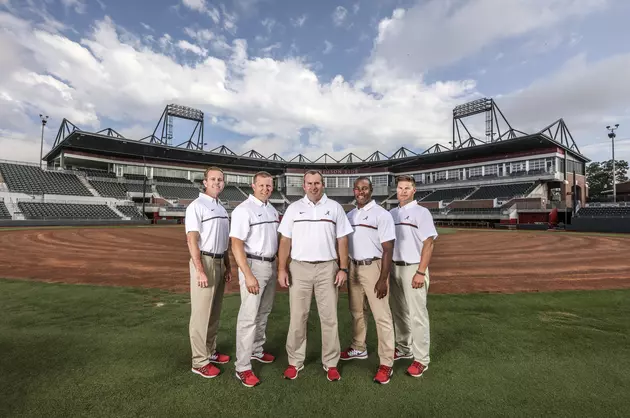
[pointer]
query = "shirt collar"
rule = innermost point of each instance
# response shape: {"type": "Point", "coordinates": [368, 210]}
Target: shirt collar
{"type": "Point", "coordinates": [209, 198]}
{"type": "Point", "coordinates": [323, 200]}
{"type": "Point", "coordinates": [257, 201]}
{"type": "Point", "coordinates": [369, 206]}
{"type": "Point", "coordinates": [410, 205]}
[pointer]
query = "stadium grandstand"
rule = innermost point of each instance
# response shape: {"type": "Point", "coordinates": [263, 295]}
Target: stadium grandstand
{"type": "Point", "coordinates": [508, 177]}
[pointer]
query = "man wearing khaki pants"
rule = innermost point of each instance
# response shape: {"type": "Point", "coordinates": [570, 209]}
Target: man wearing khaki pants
{"type": "Point", "coordinates": [207, 229]}
{"type": "Point", "coordinates": [311, 230]}
{"type": "Point", "coordinates": [415, 233]}
{"type": "Point", "coordinates": [371, 246]}
{"type": "Point", "coordinates": [254, 233]}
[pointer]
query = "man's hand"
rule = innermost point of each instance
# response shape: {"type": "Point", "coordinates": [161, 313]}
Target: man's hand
{"type": "Point", "coordinates": [340, 278]}
{"type": "Point", "coordinates": [381, 288]}
{"type": "Point", "coordinates": [202, 279]}
{"type": "Point", "coordinates": [418, 281]}
{"type": "Point", "coordinates": [252, 285]}
{"type": "Point", "coordinates": [227, 275]}
{"type": "Point", "coordinates": [283, 278]}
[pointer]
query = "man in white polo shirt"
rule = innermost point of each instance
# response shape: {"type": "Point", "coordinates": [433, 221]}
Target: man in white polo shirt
{"type": "Point", "coordinates": [312, 228]}
{"type": "Point", "coordinates": [207, 229]}
{"type": "Point", "coordinates": [415, 233]}
{"type": "Point", "coordinates": [371, 246]}
{"type": "Point", "coordinates": [254, 233]}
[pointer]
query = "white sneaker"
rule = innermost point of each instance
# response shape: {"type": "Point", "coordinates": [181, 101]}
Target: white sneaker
{"type": "Point", "coordinates": [400, 355]}
{"type": "Point", "coordinates": [351, 354]}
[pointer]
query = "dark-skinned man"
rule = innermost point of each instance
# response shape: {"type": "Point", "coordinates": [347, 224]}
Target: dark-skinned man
{"type": "Point", "coordinates": [371, 247]}
{"type": "Point", "coordinates": [415, 233]}
{"type": "Point", "coordinates": [311, 230]}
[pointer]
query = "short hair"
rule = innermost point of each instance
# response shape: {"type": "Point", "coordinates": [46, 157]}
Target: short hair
{"type": "Point", "coordinates": [262, 174]}
{"type": "Point", "coordinates": [313, 172]}
{"type": "Point", "coordinates": [212, 168]}
{"type": "Point", "coordinates": [406, 177]}
{"type": "Point", "coordinates": [363, 178]}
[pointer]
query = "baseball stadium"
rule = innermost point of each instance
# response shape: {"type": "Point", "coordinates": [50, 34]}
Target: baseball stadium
{"type": "Point", "coordinates": [528, 300]}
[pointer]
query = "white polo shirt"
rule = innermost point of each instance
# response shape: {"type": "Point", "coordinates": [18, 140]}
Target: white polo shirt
{"type": "Point", "coordinates": [414, 224]}
{"type": "Point", "coordinates": [372, 226]}
{"type": "Point", "coordinates": [206, 216]}
{"type": "Point", "coordinates": [256, 223]}
{"type": "Point", "coordinates": [314, 228]}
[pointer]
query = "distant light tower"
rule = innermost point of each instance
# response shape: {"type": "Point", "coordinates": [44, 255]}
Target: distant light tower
{"type": "Point", "coordinates": [612, 136]}
{"type": "Point", "coordinates": [44, 119]}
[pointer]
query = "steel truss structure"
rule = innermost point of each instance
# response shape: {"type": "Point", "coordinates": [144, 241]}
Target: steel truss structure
{"type": "Point", "coordinates": [497, 129]}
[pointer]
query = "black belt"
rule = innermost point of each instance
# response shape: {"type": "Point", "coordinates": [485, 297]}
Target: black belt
{"type": "Point", "coordinates": [213, 255]}
{"type": "Point", "coordinates": [366, 262]}
{"type": "Point", "coordinates": [315, 262]}
{"type": "Point", "coordinates": [257, 257]}
{"type": "Point", "coordinates": [403, 263]}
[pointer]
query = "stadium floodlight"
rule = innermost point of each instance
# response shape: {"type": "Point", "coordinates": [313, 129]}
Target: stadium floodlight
{"type": "Point", "coordinates": [472, 108]}
{"type": "Point", "coordinates": [184, 112]}
{"type": "Point", "coordinates": [612, 135]}
{"type": "Point", "coordinates": [44, 120]}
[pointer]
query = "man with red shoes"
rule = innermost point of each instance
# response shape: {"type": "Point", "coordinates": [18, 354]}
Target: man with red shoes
{"type": "Point", "coordinates": [207, 229]}
{"type": "Point", "coordinates": [415, 233]}
{"type": "Point", "coordinates": [370, 246]}
{"type": "Point", "coordinates": [254, 234]}
{"type": "Point", "coordinates": [312, 229]}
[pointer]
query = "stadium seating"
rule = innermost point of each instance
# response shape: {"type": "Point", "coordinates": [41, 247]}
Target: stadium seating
{"type": "Point", "coordinates": [98, 173]}
{"type": "Point", "coordinates": [448, 194]}
{"type": "Point", "coordinates": [33, 180]}
{"type": "Point", "coordinates": [110, 188]}
{"type": "Point", "coordinates": [483, 211]}
{"type": "Point", "coordinates": [233, 194]}
{"type": "Point", "coordinates": [177, 180]}
{"type": "Point", "coordinates": [604, 211]}
{"type": "Point", "coordinates": [177, 192]}
{"type": "Point", "coordinates": [502, 191]}
{"type": "Point", "coordinates": [65, 211]}
{"type": "Point", "coordinates": [130, 211]}
{"type": "Point", "coordinates": [137, 187]}
{"type": "Point", "coordinates": [4, 212]}
{"type": "Point", "coordinates": [343, 200]}
{"type": "Point", "coordinates": [421, 194]}
{"type": "Point", "coordinates": [276, 195]}
{"type": "Point", "coordinates": [139, 177]}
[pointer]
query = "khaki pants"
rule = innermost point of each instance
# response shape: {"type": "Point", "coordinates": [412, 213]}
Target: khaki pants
{"type": "Point", "coordinates": [361, 287]}
{"type": "Point", "coordinates": [409, 309]}
{"type": "Point", "coordinates": [306, 278]}
{"type": "Point", "coordinates": [254, 312]}
{"type": "Point", "coordinates": [205, 310]}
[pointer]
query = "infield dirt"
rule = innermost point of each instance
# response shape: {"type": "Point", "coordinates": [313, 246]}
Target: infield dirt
{"type": "Point", "coordinates": [463, 262]}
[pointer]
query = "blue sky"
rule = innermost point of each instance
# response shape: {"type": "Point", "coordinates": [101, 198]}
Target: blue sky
{"type": "Point", "coordinates": [313, 77]}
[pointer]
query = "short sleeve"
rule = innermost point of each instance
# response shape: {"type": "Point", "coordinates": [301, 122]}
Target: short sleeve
{"type": "Point", "coordinates": [239, 224]}
{"type": "Point", "coordinates": [343, 224]}
{"type": "Point", "coordinates": [193, 218]}
{"type": "Point", "coordinates": [286, 224]}
{"type": "Point", "coordinates": [426, 226]}
{"type": "Point", "coordinates": [386, 228]}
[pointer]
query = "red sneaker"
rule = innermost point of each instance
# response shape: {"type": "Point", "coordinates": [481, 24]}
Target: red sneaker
{"type": "Point", "coordinates": [292, 372]}
{"type": "Point", "coordinates": [208, 371]}
{"type": "Point", "coordinates": [383, 374]}
{"type": "Point", "coordinates": [219, 358]}
{"type": "Point", "coordinates": [264, 357]}
{"type": "Point", "coordinates": [351, 354]}
{"type": "Point", "coordinates": [332, 374]}
{"type": "Point", "coordinates": [416, 369]}
{"type": "Point", "coordinates": [248, 378]}
{"type": "Point", "coordinates": [398, 354]}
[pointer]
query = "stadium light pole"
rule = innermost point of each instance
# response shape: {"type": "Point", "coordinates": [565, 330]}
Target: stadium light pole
{"type": "Point", "coordinates": [44, 119]}
{"type": "Point", "coordinates": [144, 185]}
{"type": "Point", "coordinates": [612, 135]}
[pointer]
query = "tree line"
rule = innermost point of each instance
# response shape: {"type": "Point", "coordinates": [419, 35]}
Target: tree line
{"type": "Point", "coordinates": [599, 176]}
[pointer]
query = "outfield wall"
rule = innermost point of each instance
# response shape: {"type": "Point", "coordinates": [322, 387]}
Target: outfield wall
{"type": "Point", "coordinates": [613, 225]}
{"type": "Point", "coordinates": [71, 222]}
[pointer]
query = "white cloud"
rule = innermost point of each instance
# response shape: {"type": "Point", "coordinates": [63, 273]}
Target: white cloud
{"type": "Point", "coordinates": [147, 27]}
{"type": "Point", "coordinates": [339, 15]}
{"type": "Point", "coordinates": [355, 8]}
{"type": "Point", "coordinates": [438, 33]}
{"type": "Point", "coordinates": [77, 5]}
{"type": "Point", "coordinates": [195, 49]}
{"type": "Point", "coordinates": [229, 20]}
{"type": "Point", "coordinates": [198, 5]}
{"type": "Point", "coordinates": [268, 23]}
{"type": "Point", "coordinates": [298, 22]}
{"type": "Point", "coordinates": [328, 46]}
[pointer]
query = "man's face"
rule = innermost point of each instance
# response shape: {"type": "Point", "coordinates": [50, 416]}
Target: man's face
{"type": "Point", "coordinates": [214, 183]}
{"type": "Point", "coordinates": [405, 191]}
{"type": "Point", "coordinates": [262, 187]}
{"type": "Point", "coordinates": [313, 186]}
{"type": "Point", "coordinates": [362, 192]}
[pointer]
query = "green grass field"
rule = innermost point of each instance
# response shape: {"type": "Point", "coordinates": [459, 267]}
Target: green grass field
{"type": "Point", "coordinates": [69, 350]}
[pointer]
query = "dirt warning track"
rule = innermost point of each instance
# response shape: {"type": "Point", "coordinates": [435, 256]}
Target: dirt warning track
{"type": "Point", "coordinates": [463, 262]}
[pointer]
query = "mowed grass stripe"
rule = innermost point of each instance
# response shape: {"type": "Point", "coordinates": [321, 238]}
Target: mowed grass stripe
{"type": "Point", "coordinates": [99, 351]}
